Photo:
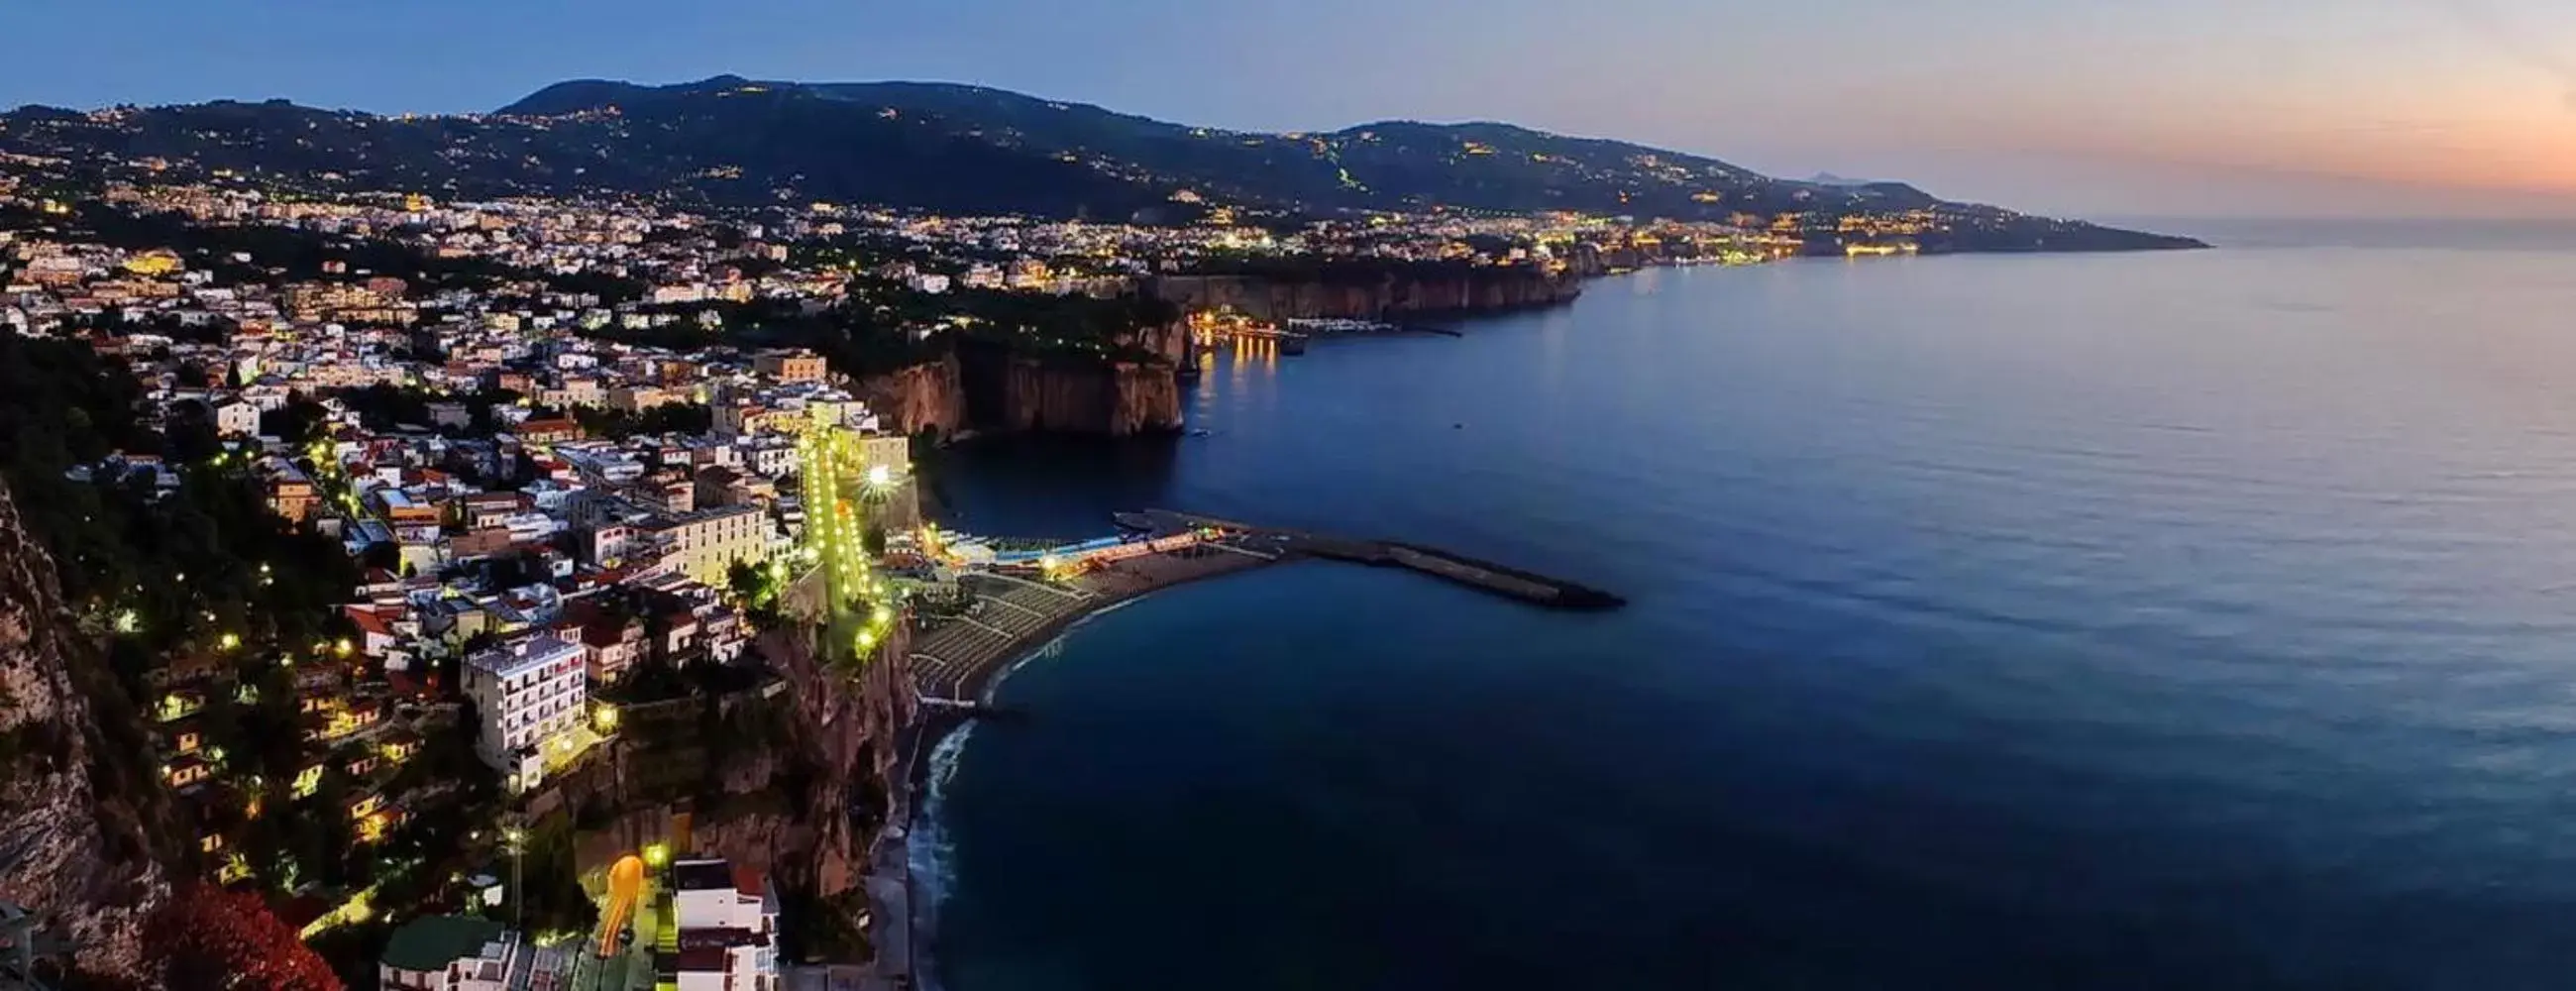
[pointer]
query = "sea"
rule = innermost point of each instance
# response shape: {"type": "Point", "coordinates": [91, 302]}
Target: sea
{"type": "Point", "coordinates": [2183, 620]}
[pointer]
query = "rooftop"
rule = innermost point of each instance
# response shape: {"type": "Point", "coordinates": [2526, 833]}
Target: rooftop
{"type": "Point", "coordinates": [515, 656]}
{"type": "Point", "coordinates": [702, 875]}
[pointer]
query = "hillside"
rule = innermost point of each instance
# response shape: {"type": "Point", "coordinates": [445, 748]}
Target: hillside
{"type": "Point", "coordinates": [79, 812]}
{"type": "Point", "coordinates": [956, 148]}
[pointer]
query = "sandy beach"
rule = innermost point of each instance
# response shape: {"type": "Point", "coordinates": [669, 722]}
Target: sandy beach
{"type": "Point", "coordinates": [967, 660]}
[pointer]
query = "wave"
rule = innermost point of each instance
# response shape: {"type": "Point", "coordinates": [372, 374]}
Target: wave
{"type": "Point", "coordinates": [930, 856]}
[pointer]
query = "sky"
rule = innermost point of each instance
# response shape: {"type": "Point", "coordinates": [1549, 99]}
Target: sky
{"type": "Point", "coordinates": [2121, 108]}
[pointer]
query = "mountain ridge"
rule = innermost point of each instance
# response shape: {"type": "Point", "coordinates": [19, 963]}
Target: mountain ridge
{"type": "Point", "coordinates": [959, 147]}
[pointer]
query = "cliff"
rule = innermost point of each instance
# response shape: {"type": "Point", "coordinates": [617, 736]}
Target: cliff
{"type": "Point", "coordinates": [988, 389]}
{"type": "Point", "coordinates": [775, 794]}
{"type": "Point", "coordinates": [929, 397]}
{"type": "Point", "coordinates": [78, 803]}
{"type": "Point", "coordinates": [1386, 297]}
{"type": "Point", "coordinates": [1120, 399]}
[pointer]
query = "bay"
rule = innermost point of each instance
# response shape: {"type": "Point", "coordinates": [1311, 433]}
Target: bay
{"type": "Point", "coordinates": [2176, 620]}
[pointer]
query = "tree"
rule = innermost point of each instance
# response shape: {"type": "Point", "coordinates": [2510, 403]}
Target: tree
{"type": "Point", "coordinates": [209, 939]}
{"type": "Point", "coordinates": [746, 581]}
{"type": "Point", "coordinates": [189, 433]}
{"type": "Point", "coordinates": [299, 422]}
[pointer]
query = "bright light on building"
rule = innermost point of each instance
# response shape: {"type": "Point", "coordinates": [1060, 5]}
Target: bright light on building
{"type": "Point", "coordinates": [229, 641]}
{"type": "Point", "coordinates": [605, 719]}
{"type": "Point", "coordinates": [656, 855]}
{"type": "Point", "coordinates": [880, 476]}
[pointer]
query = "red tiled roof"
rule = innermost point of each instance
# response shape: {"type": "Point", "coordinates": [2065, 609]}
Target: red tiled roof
{"type": "Point", "coordinates": [369, 622]}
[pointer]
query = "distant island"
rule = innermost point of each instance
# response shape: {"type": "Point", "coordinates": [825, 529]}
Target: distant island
{"type": "Point", "coordinates": [731, 141]}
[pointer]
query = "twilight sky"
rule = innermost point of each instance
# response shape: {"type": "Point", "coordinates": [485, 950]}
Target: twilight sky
{"type": "Point", "coordinates": [2087, 107]}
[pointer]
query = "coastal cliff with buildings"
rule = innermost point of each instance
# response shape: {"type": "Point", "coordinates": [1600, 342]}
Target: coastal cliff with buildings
{"type": "Point", "coordinates": [1001, 393]}
{"type": "Point", "coordinates": [764, 777]}
{"type": "Point", "coordinates": [1372, 295]}
{"type": "Point", "coordinates": [984, 389]}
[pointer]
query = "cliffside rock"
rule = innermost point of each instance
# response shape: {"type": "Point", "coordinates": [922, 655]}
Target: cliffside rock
{"type": "Point", "coordinates": [1381, 299]}
{"type": "Point", "coordinates": [74, 840]}
{"type": "Point", "coordinates": [1120, 399]}
{"type": "Point", "coordinates": [1170, 341]}
{"type": "Point", "coordinates": [783, 809]}
{"type": "Point", "coordinates": [923, 397]}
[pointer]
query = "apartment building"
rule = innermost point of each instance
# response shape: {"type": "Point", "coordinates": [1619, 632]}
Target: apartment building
{"type": "Point", "coordinates": [531, 694]}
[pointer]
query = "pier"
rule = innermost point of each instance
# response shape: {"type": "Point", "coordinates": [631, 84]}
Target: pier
{"type": "Point", "coordinates": [1536, 589]}
{"type": "Point", "coordinates": [1009, 615]}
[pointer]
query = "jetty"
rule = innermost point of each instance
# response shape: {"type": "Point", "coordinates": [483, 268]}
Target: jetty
{"type": "Point", "coordinates": [1535, 589]}
{"type": "Point", "coordinates": [1009, 615]}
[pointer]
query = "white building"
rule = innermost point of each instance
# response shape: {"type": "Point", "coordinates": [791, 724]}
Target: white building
{"type": "Point", "coordinates": [728, 928]}
{"type": "Point", "coordinates": [531, 696]}
{"type": "Point", "coordinates": [466, 953]}
{"type": "Point", "coordinates": [770, 457]}
{"type": "Point", "coordinates": [235, 418]}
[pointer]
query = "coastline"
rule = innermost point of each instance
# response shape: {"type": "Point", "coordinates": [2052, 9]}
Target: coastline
{"type": "Point", "coordinates": [970, 658]}
{"type": "Point", "coordinates": [935, 727]}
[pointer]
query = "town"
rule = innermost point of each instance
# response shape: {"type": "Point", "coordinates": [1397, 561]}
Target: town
{"type": "Point", "coordinates": [458, 557]}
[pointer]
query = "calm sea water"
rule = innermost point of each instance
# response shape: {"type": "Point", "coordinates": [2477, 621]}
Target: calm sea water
{"type": "Point", "coordinates": [2155, 621]}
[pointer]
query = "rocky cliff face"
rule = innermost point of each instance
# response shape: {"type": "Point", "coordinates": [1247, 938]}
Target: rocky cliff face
{"type": "Point", "coordinates": [783, 810]}
{"type": "Point", "coordinates": [1171, 341]}
{"type": "Point", "coordinates": [995, 392]}
{"type": "Point", "coordinates": [75, 817]}
{"type": "Point", "coordinates": [1383, 299]}
{"type": "Point", "coordinates": [1120, 399]}
{"type": "Point", "coordinates": [923, 397]}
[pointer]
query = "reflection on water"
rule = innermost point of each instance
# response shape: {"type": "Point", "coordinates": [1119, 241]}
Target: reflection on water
{"type": "Point", "coordinates": [2156, 621]}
